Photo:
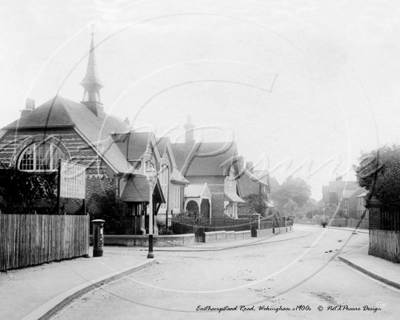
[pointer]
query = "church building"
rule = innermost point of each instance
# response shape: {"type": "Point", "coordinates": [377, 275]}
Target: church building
{"type": "Point", "coordinates": [115, 156]}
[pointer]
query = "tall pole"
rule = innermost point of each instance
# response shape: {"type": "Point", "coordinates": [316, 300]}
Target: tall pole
{"type": "Point", "coordinates": [150, 255]}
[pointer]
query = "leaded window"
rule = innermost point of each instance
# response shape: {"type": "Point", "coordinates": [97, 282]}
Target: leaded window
{"type": "Point", "coordinates": [40, 156]}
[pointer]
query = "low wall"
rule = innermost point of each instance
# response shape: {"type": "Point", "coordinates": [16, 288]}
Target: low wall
{"type": "Point", "coordinates": [220, 236]}
{"type": "Point", "coordinates": [214, 236]}
{"type": "Point", "coordinates": [230, 235]}
{"type": "Point", "coordinates": [385, 244]}
{"type": "Point", "coordinates": [142, 241]}
{"type": "Point", "coordinates": [280, 230]}
{"type": "Point", "coordinates": [264, 232]}
{"type": "Point", "coordinates": [243, 234]}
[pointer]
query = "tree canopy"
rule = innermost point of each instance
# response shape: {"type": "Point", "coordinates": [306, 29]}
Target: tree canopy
{"type": "Point", "coordinates": [379, 173]}
{"type": "Point", "coordinates": [256, 203]}
{"type": "Point", "coordinates": [293, 193]}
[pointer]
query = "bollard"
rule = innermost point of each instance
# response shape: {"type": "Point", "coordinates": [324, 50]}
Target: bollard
{"type": "Point", "coordinates": [98, 237]}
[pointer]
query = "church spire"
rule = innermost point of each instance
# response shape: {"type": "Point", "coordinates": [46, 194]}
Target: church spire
{"type": "Point", "coordinates": [91, 82]}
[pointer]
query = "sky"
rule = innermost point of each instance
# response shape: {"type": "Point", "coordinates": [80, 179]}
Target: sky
{"type": "Point", "coordinates": [302, 86]}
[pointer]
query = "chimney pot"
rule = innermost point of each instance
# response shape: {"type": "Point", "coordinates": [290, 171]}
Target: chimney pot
{"type": "Point", "coordinates": [189, 131]}
{"type": "Point", "coordinates": [29, 106]}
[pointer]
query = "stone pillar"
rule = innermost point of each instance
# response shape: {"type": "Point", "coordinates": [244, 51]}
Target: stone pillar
{"type": "Point", "coordinates": [374, 208]}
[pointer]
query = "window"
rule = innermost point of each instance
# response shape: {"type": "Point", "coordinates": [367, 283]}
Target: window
{"type": "Point", "coordinates": [177, 198]}
{"type": "Point", "coordinates": [164, 184]}
{"type": "Point", "coordinates": [40, 156]}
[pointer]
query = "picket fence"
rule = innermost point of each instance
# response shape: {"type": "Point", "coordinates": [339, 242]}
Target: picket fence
{"type": "Point", "coordinates": [30, 239]}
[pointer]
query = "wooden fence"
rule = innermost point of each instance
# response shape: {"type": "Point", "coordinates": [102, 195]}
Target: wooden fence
{"type": "Point", "coordinates": [385, 244]}
{"type": "Point", "coordinates": [27, 239]}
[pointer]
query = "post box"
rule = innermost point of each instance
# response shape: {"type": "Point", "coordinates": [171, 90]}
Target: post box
{"type": "Point", "coordinates": [98, 237]}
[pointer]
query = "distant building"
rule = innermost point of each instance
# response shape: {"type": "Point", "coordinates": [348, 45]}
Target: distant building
{"type": "Point", "coordinates": [361, 202]}
{"type": "Point", "coordinates": [342, 195]}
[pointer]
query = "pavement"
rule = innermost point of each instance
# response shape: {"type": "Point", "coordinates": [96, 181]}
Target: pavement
{"type": "Point", "coordinates": [39, 292]}
{"type": "Point", "coordinates": [375, 267]}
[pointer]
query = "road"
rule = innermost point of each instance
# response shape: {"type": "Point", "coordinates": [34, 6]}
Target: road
{"type": "Point", "coordinates": [280, 280]}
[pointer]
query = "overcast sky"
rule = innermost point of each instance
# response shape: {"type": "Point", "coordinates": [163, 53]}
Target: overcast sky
{"type": "Point", "coordinates": [293, 81]}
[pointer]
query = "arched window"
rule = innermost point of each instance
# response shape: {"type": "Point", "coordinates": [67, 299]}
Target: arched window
{"type": "Point", "coordinates": [40, 156]}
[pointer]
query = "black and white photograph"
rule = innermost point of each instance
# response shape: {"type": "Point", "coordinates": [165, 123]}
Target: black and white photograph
{"type": "Point", "coordinates": [199, 159]}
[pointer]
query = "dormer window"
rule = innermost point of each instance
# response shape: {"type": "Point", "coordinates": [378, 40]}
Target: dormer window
{"type": "Point", "coordinates": [40, 156]}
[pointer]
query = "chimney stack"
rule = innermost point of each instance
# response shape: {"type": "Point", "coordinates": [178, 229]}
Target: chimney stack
{"type": "Point", "coordinates": [29, 106]}
{"type": "Point", "coordinates": [189, 131]}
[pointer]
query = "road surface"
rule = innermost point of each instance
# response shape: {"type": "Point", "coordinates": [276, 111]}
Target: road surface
{"type": "Point", "coordinates": [294, 279]}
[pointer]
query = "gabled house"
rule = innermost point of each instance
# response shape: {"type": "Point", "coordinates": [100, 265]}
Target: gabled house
{"type": "Point", "coordinates": [214, 163]}
{"type": "Point", "coordinates": [142, 149]}
{"type": "Point", "coordinates": [173, 182]}
{"type": "Point", "coordinates": [141, 152]}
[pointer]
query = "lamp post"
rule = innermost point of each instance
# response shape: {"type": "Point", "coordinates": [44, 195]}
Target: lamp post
{"type": "Point", "coordinates": [151, 175]}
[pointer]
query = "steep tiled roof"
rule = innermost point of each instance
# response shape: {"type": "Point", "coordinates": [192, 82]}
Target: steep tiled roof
{"type": "Point", "coordinates": [205, 158]}
{"type": "Point", "coordinates": [254, 178]}
{"type": "Point", "coordinates": [137, 190]}
{"type": "Point", "coordinates": [164, 146]}
{"type": "Point", "coordinates": [177, 177]}
{"type": "Point", "coordinates": [60, 112]}
{"type": "Point", "coordinates": [132, 144]}
{"type": "Point", "coordinates": [50, 114]}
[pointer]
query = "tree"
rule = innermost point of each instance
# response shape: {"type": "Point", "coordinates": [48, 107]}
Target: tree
{"type": "Point", "coordinates": [26, 191]}
{"type": "Point", "coordinates": [290, 208]}
{"type": "Point", "coordinates": [379, 173]}
{"type": "Point", "coordinates": [294, 189]}
{"type": "Point", "coordinates": [109, 207]}
{"type": "Point", "coordinates": [256, 203]}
